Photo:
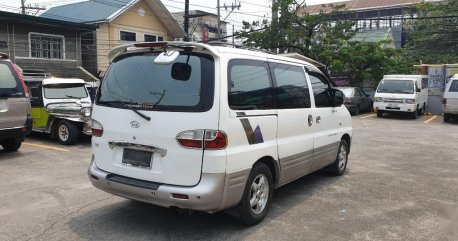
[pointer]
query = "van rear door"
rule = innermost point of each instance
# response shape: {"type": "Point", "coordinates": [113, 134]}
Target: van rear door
{"type": "Point", "coordinates": [143, 106]}
{"type": "Point", "coordinates": [14, 106]}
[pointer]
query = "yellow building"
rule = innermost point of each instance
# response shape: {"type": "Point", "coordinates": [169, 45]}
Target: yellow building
{"type": "Point", "coordinates": [119, 22]}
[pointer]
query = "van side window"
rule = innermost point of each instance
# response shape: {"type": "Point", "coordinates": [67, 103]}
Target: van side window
{"type": "Point", "coordinates": [292, 90]}
{"type": "Point", "coordinates": [249, 85]}
{"type": "Point", "coordinates": [320, 89]}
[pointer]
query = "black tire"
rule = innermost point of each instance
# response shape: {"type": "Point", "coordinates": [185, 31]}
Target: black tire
{"type": "Point", "coordinates": [66, 132]}
{"type": "Point", "coordinates": [379, 113]}
{"type": "Point", "coordinates": [357, 110]}
{"type": "Point", "coordinates": [414, 114]}
{"type": "Point", "coordinates": [11, 145]}
{"type": "Point", "coordinates": [340, 165]}
{"type": "Point", "coordinates": [446, 118]}
{"type": "Point", "coordinates": [246, 215]}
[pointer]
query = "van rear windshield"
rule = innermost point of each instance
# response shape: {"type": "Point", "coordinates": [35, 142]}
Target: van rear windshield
{"type": "Point", "coordinates": [10, 86]}
{"type": "Point", "coordinates": [136, 81]}
{"type": "Point", "coordinates": [396, 86]}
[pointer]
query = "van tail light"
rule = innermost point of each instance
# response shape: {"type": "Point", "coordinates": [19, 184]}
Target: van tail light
{"type": "Point", "coordinates": [97, 128]}
{"type": "Point", "coordinates": [347, 101]}
{"type": "Point", "coordinates": [444, 102]}
{"type": "Point", "coordinates": [202, 139]}
{"type": "Point", "coordinates": [21, 78]}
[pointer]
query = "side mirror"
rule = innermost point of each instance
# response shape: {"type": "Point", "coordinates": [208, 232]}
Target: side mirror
{"type": "Point", "coordinates": [418, 90]}
{"type": "Point", "coordinates": [338, 98]}
{"type": "Point", "coordinates": [181, 71]}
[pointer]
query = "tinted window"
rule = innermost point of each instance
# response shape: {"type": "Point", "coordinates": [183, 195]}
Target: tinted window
{"type": "Point", "coordinates": [150, 38]}
{"type": "Point", "coordinates": [320, 90]}
{"type": "Point", "coordinates": [9, 84]}
{"type": "Point", "coordinates": [68, 91]}
{"type": "Point", "coordinates": [249, 85]}
{"type": "Point", "coordinates": [291, 86]}
{"type": "Point", "coordinates": [136, 80]}
{"type": "Point", "coordinates": [454, 86]}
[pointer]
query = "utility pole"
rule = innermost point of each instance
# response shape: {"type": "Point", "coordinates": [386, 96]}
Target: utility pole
{"type": "Point", "coordinates": [232, 7]}
{"type": "Point", "coordinates": [219, 22]}
{"type": "Point", "coordinates": [35, 7]}
{"type": "Point", "coordinates": [186, 20]}
{"type": "Point", "coordinates": [274, 20]}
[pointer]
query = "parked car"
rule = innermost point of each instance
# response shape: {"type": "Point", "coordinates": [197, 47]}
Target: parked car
{"type": "Point", "coordinates": [200, 127]}
{"type": "Point", "coordinates": [15, 118]}
{"type": "Point", "coordinates": [402, 93]}
{"type": "Point", "coordinates": [61, 107]}
{"type": "Point", "coordinates": [450, 100]}
{"type": "Point", "coordinates": [356, 100]}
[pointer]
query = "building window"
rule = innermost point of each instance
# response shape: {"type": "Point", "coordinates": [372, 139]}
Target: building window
{"type": "Point", "coordinates": [46, 46]}
{"type": "Point", "coordinates": [153, 38]}
{"type": "Point", "coordinates": [127, 36]}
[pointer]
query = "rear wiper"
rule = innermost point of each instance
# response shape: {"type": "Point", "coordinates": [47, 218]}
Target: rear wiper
{"type": "Point", "coordinates": [125, 104]}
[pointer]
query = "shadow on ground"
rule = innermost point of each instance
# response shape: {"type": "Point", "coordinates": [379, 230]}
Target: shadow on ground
{"type": "Point", "coordinates": [130, 220]}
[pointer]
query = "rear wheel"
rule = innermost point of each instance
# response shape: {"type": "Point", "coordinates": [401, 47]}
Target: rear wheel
{"type": "Point", "coordinates": [446, 118]}
{"type": "Point", "coordinates": [340, 165]}
{"type": "Point", "coordinates": [257, 195]}
{"type": "Point", "coordinates": [11, 145]}
{"type": "Point", "coordinates": [357, 110]}
{"type": "Point", "coordinates": [67, 132]}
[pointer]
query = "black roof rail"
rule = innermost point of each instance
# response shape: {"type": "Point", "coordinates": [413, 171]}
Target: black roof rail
{"type": "Point", "coordinates": [4, 55]}
{"type": "Point", "coordinates": [238, 46]}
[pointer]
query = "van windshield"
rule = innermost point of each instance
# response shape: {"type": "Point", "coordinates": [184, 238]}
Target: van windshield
{"type": "Point", "coordinates": [454, 86]}
{"type": "Point", "coordinates": [135, 81]}
{"type": "Point", "coordinates": [396, 86]}
{"type": "Point", "coordinates": [65, 91]}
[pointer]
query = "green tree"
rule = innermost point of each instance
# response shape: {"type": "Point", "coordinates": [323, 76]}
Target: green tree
{"type": "Point", "coordinates": [433, 37]}
{"type": "Point", "coordinates": [325, 38]}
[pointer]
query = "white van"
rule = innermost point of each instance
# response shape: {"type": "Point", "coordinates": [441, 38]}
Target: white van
{"type": "Point", "coordinates": [201, 127]}
{"type": "Point", "coordinates": [450, 100]}
{"type": "Point", "coordinates": [402, 93]}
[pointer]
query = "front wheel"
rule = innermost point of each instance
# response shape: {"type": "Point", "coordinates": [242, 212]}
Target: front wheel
{"type": "Point", "coordinates": [414, 114]}
{"type": "Point", "coordinates": [446, 118]}
{"type": "Point", "coordinates": [379, 113]}
{"type": "Point", "coordinates": [257, 195]}
{"type": "Point", "coordinates": [67, 132]}
{"type": "Point", "coordinates": [340, 165]}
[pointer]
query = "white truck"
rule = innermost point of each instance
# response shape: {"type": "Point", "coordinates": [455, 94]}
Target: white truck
{"type": "Point", "coordinates": [402, 93]}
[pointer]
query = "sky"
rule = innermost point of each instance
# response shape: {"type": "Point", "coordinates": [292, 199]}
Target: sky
{"type": "Point", "coordinates": [251, 10]}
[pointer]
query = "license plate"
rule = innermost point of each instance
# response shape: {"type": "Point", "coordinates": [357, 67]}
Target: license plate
{"type": "Point", "coordinates": [393, 105]}
{"type": "Point", "coordinates": [137, 158]}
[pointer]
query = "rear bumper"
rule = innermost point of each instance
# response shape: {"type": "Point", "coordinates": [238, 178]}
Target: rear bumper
{"type": "Point", "coordinates": [206, 196]}
{"type": "Point", "coordinates": [17, 133]}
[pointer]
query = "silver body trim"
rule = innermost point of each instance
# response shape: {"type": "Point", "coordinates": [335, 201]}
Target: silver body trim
{"type": "Point", "coordinates": [140, 147]}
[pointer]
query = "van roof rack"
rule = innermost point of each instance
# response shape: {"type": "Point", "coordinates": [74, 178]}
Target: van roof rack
{"type": "Point", "coordinates": [238, 46]}
{"type": "Point", "coordinates": [4, 55]}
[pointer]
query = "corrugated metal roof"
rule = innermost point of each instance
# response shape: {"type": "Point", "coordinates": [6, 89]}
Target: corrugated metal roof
{"type": "Point", "coordinates": [88, 11]}
{"type": "Point", "coordinates": [355, 5]}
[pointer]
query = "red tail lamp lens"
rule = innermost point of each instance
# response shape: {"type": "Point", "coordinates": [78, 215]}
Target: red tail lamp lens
{"type": "Point", "coordinates": [97, 128]}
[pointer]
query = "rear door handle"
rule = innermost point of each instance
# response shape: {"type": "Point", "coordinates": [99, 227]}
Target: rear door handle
{"type": "Point", "coordinates": [310, 120]}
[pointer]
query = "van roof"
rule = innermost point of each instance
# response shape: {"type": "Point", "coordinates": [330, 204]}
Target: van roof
{"type": "Point", "coordinates": [216, 50]}
{"type": "Point", "coordinates": [51, 81]}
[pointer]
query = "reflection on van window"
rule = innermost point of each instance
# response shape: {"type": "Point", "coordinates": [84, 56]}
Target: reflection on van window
{"type": "Point", "coordinates": [292, 89]}
{"type": "Point", "coordinates": [396, 86]}
{"type": "Point", "coordinates": [454, 86]}
{"type": "Point", "coordinates": [136, 80]}
{"type": "Point", "coordinates": [8, 83]}
{"type": "Point", "coordinates": [65, 92]}
{"type": "Point", "coordinates": [249, 85]}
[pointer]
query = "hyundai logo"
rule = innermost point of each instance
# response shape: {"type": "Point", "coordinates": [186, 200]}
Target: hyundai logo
{"type": "Point", "coordinates": [134, 124]}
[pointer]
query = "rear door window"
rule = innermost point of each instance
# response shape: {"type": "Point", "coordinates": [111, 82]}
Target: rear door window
{"type": "Point", "coordinates": [250, 86]}
{"type": "Point", "coordinates": [135, 80]}
{"type": "Point", "coordinates": [291, 86]}
{"type": "Point", "coordinates": [9, 83]}
{"type": "Point", "coordinates": [320, 88]}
